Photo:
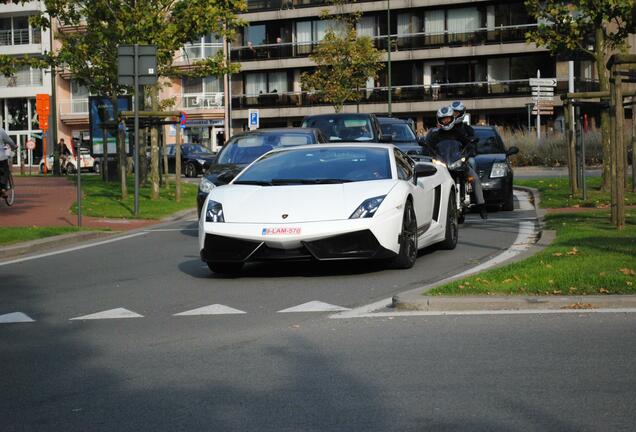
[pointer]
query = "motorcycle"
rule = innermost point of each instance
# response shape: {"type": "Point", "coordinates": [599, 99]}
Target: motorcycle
{"type": "Point", "coordinates": [456, 156]}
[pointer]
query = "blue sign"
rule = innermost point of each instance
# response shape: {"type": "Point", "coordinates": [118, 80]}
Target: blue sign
{"type": "Point", "coordinates": [183, 120]}
{"type": "Point", "coordinates": [253, 119]}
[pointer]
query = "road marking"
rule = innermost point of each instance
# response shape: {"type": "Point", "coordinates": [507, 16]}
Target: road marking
{"type": "Point", "coordinates": [215, 309]}
{"type": "Point", "coordinates": [117, 313]}
{"type": "Point", "coordinates": [15, 317]}
{"type": "Point", "coordinates": [71, 249]}
{"type": "Point", "coordinates": [486, 312]}
{"type": "Point", "coordinates": [170, 229]}
{"type": "Point", "coordinates": [524, 240]}
{"type": "Point", "coordinates": [314, 306]}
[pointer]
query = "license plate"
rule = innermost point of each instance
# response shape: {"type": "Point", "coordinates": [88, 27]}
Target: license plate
{"type": "Point", "coordinates": [281, 231]}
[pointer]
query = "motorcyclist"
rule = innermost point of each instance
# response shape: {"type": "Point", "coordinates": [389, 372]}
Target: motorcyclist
{"type": "Point", "coordinates": [5, 140]}
{"type": "Point", "coordinates": [447, 129]}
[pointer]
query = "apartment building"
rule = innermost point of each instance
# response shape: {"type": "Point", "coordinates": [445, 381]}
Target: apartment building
{"type": "Point", "coordinates": [471, 50]}
{"type": "Point", "coordinates": [17, 93]}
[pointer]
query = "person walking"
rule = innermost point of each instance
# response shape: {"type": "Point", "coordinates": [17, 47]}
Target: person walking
{"type": "Point", "coordinates": [5, 170]}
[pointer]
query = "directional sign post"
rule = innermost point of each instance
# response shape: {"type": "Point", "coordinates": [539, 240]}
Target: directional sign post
{"type": "Point", "coordinates": [543, 97]}
{"type": "Point", "coordinates": [253, 119]}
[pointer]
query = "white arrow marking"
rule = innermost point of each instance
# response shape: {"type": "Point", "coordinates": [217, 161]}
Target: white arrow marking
{"type": "Point", "coordinates": [314, 306]}
{"type": "Point", "coordinates": [110, 314]}
{"type": "Point", "coordinates": [15, 317]}
{"type": "Point", "coordinates": [215, 309]}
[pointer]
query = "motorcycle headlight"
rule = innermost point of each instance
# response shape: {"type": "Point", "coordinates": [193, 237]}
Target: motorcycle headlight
{"type": "Point", "coordinates": [206, 185]}
{"type": "Point", "coordinates": [499, 169]}
{"type": "Point", "coordinates": [367, 208]}
{"type": "Point", "coordinates": [214, 212]}
{"type": "Point", "coordinates": [457, 164]}
{"type": "Point", "coordinates": [201, 161]}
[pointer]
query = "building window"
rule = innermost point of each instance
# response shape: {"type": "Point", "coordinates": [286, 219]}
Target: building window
{"type": "Point", "coordinates": [17, 31]}
{"type": "Point", "coordinates": [257, 83]}
{"type": "Point", "coordinates": [202, 92]}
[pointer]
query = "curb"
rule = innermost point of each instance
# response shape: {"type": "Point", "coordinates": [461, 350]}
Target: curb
{"type": "Point", "coordinates": [414, 300]}
{"type": "Point", "coordinates": [62, 241]}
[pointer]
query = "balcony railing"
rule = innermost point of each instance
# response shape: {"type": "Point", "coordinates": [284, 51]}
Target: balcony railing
{"type": "Point", "coordinates": [23, 78]}
{"type": "Point", "coordinates": [201, 50]}
{"type": "Point", "coordinates": [20, 37]}
{"type": "Point", "coordinates": [74, 106]}
{"type": "Point", "coordinates": [202, 101]}
{"type": "Point", "coordinates": [399, 42]}
{"type": "Point", "coordinates": [411, 93]}
{"type": "Point", "coordinates": [265, 5]}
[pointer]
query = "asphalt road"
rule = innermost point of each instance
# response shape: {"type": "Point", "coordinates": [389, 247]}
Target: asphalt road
{"type": "Point", "coordinates": [304, 371]}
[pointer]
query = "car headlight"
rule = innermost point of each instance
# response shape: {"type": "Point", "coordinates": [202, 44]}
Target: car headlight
{"type": "Point", "coordinates": [214, 212]}
{"type": "Point", "coordinates": [201, 161]}
{"type": "Point", "coordinates": [499, 169]}
{"type": "Point", "coordinates": [367, 208]}
{"type": "Point", "coordinates": [206, 185]}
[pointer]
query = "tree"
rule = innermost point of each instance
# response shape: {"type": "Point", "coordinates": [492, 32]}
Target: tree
{"type": "Point", "coordinates": [91, 31]}
{"type": "Point", "coordinates": [594, 27]}
{"type": "Point", "coordinates": [344, 62]}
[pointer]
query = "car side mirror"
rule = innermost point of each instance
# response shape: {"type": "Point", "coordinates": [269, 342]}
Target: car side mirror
{"type": "Point", "coordinates": [512, 151]}
{"type": "Point", "coordinates": [425, 170]}
{"type": "Point", "coordinates": [386, 138]}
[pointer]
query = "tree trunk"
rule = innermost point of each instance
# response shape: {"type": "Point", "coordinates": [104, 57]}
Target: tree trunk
{"type": "Point", "coordinates": [143, 160]}
{"type": "Point", "coordinates": [121, 151]}
{"type": "Point", "coordinates": [603, 80]}
{"type": "Point", "coordinates": [154, 164]}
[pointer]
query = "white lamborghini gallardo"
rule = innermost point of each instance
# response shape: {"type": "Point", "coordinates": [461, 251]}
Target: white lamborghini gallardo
{"type": "Point", "coordinates": [326, 202]}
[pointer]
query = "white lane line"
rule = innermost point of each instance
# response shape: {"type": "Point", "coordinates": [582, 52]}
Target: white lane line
{"type": "Point", "coordinates": [524, 240]}
{"type": "Point", "coordinates": [488, 312]}
{"type": "Point", "coordinates": [15, 317]}
{"type": "Point", "coordinates": [117, 313]}
{"type": "Point", "coordinates": [215, 309]}
{"type": "Point", "coordinates": [71, 249]}
{"type": "Point", "coordinates": [314, 306]}
{"type": "Point", "coordinates": [170, 229]}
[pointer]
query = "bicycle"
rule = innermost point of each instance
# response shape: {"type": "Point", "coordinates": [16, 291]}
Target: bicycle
{"type": "Point", "coordinates": [10, 197]}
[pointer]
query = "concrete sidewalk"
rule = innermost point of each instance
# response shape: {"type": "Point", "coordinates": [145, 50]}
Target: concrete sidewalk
{"type": "Point", "coordinates": [46, 201]}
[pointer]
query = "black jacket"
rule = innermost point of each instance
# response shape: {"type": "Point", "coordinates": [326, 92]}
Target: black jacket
{"type": "Point", "coordinates": [463, 133]}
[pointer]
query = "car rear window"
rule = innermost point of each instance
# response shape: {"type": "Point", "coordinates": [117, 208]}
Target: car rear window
{"type": "Point", "coordinates": [488, 142]}
{"type": "Point", "coordinates": [342, 128]}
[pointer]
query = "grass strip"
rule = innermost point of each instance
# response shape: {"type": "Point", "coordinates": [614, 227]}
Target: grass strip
{"type": "Point", "coordinates": [588, 256]}
{"type": "Point", "coordinates": [555, 193]}
{"type": "Point", "coordinates": [11, 235]}
{"type": "Point", "coordinates": [103, 199]}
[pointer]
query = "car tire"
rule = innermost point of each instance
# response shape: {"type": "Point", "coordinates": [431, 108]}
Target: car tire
{"type": "Point", "coordinates": [407, 255]}
{"type": "Point", "coordinates": [452, 225]}
{"type": "Point", "coordinates": [227, 268]}
{"type": "Point", "coordinates": [190, 170]}
{"type": "Point", "coordinates": [97, 167]}
{"type": "Point", "coordinates": [509, 202]}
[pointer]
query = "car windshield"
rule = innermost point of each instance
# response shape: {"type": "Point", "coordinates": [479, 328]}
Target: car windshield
{"type": "Point", "coordinates": [245, 149]}
{"type": "Point", "coordinates": [194, 148]}
{"type": "Point", "coordinates": [342, 128]}
{"type": "Point", "coordinates": [318, 166]}
{"type": "Point", "coordinates": [488, 142]}
{"type": "Point", "coordinates": [401, 132]}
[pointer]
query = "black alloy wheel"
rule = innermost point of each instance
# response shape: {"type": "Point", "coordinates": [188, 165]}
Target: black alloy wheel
{"type": "Point", "coordinates": [190, 170]}
{"type": "Point", "coordinates": [227, 268]}
{"type": "Point", "coordinates": [452, 224]}
{"type": "Point", "coordinates": [408, 239]}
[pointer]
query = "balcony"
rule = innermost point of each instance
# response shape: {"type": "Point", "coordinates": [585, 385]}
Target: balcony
{"type": "Point", "coordinates": [23, 78]}
{"type": "Point", "coordinates": [270, 5]}
{"type": "Point", "coordinates": [401, 42]}
{"type": "Point", "coordinates": [74, 106]}
{"type": "Point", "coordinates": [20, 37]}
{"type": "Point", "coordinates": [412, 93]}
{"type": "Point", "coordinates": [201, 51]}
{"type": "Point", "coordinates": [202, 101]}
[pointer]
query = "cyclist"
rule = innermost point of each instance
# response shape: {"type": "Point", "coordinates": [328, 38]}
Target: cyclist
{"type": "Point", "coordinates": [447, 129]}
{"type": "Point", "coordinates": [5, 140]}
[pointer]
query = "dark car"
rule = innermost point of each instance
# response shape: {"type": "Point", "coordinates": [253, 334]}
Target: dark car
{"type": "Point", "coordinates": [348, 127]}
{"type": "Point", "coordinates": [195, 159]}
{"type": "Point", "coordinates": [493, 166]}
{"type": "Point", "coordinates": [403, 137]}
{"type": "Point", "coordinates": [243, 149]}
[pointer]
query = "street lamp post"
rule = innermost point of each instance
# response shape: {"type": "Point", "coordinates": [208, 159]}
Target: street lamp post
{"type": "Point", "coordinates": [388, 39]}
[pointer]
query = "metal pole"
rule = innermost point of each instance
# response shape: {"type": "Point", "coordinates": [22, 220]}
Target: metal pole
{"type": "Point", "coordinates": [53, 128]}
{"type": "Point", "coordinates": [633, 145]}
{"type": "Point", "coordinates": [136, 111]}
{"type": "Point", "coordinates": [529, 107]}
{"type": "Point", "coordinates": [583, 175]}
{"type": "Point", "coordinates": [227, 103]}
{"type": "Point", "coordinates": [388, 38]}
{"type": "Point", "coordinates": [538, 107]}
{"type": "Point", "coordinates": [79, 182]}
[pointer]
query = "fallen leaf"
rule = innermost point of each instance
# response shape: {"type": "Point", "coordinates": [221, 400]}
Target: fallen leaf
{"type": "Point", "coordinates": [551, 281]}
{"type": "Point", "coordinates": [572, 289]}
{"type": "Point", "coordinates": [573, 251]}
{"type": "Point", "coordinates": [548, 266]}
{"type": "Point", "coordinates": [627, 272]}
{"type": "Point", "coordinates": [602, 274]}
{"type": "Point", "coordinates": [557, 254]}
{"type": "Point", "coordinates": [629, 283]}
{"type": "Point", "coordinates": [579, 306]}
{"type": "Point", "coordinates": [507, 280]}
{"type": "Point", "coordinates": [603, 291]}
{"type": "Point", "coordinates": [557, 292]}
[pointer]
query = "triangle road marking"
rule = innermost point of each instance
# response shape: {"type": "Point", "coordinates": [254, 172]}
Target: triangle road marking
{"type": "Point", "coordinates": [215, 309]}
{"type": "Point", "coordinates": [117, 313]}
{"type": "Point", "coordinates": [314, 306]}
{"type": "Point", "coordinates": [15, 317]}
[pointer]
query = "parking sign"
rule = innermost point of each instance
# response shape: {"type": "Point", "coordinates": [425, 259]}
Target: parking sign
{"type": "Point", "coordinates": [253, 119]}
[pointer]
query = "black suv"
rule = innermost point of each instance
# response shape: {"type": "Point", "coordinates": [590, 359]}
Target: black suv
{"type": "Point", "coordinates": [348, 127]}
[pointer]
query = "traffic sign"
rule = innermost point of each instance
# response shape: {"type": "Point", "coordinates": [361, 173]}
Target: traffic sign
{"type": "Point", "coordinates": [253, 119]}
{"type": "Point", "coordinates": [183, 120]}
{"type": "Point", "coordinates": [30, 144]}
{"type": "Point", "coordinates": [542, 92]}
{"type": "Point", "coordinates": [542, 82]}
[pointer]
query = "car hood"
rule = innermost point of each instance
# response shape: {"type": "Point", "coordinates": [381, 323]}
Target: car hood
{"type": "Point", "coordinates": [301, 203]}
{"type": "Point", "coordinates": [204, 156]}
{"type": "Point", "coordinates": [221, 174]}
{"type": "Point", "coordinates": [485, 161]}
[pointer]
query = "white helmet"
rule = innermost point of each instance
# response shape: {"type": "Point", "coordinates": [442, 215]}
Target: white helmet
{"type": "Point", "coordinates": [445, 118]}
{"type": "Point", "coordinates": [460, 110]}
